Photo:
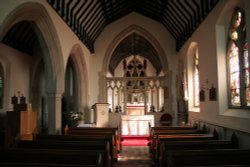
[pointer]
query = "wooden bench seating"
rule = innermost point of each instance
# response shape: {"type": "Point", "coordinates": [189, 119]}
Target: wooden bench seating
{"type": "Point", "coordinates": [154, 129]}
{"type": "Point", "coordinates": [184, 158]}
{"type": "Point", "coordinates": [154, 135]}
{"type": "Point", "coordinates": [155, 132]}
{"type": "Point", "coordinates": [110, 139]}
{"type": "Point", "coordinates": [51, 156]}
{"type": "Point", "coordinates": [180, 137]}
{"type": "Point", "coordinates": [192, 145]}
{"type": "Point", "coordinates": [28, 164]}
{"type": "Point", "coordinates": [98, 130]}
{"type": "Point", "coordinates": [173, 127]}
{"type": "Point", "coordinates": [216, 166]}
{"type": "Point", "coordinates": [101, 146]}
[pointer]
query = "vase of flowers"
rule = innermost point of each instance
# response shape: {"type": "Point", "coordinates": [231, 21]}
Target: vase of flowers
{"type": "Point", "coordinates": [75, 118]}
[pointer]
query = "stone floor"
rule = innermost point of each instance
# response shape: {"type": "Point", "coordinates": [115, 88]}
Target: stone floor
{"type": "Point", "coordinates": [134, 156]}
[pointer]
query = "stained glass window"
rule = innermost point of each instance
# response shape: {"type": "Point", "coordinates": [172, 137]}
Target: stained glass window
{"type": "Point", "coordinates": [1, 85]}
{"type": "Point", "coordinates": [238, 63]}
{"type": "Point", "coordinates": [196, 79]}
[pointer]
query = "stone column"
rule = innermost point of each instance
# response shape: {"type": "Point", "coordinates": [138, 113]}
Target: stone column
{"type": "Point", "coordinates": [55, 113]}
{"type": "Point", "coordinates": [168, 93]}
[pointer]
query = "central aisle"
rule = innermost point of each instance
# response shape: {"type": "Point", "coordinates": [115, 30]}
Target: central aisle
{"type": "Point", "coordinates": [134, 156]}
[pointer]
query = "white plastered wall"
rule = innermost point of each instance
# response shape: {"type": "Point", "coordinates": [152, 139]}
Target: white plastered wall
{"type": "Point", "coordinates": [210, 38]}
{"type": "Point", "coordinates": [113, 30]}
{"type": "Point", "coordinates": [58, 43]}
{"type": "Point", "coordinates": [14, 62]}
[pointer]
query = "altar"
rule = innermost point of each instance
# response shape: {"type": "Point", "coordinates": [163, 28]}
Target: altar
{"type": "Point", "coordinates": [136, 125]}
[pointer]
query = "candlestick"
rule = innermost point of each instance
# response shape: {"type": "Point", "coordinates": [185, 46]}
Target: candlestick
{"type": "Point", "coordinates": [22, 100]}
{"type": "Point", "coordinates": [14, 100]}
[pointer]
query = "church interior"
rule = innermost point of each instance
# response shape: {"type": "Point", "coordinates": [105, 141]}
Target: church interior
{"type": "Point", "coordinates": [82, 73]}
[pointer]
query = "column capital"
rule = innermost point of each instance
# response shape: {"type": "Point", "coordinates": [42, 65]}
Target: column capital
{"type": "Point", "coordinates": [102, 73]}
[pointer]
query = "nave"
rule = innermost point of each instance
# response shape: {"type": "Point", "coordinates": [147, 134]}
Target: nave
{"type": "Point", "coordinates": [166, 146]}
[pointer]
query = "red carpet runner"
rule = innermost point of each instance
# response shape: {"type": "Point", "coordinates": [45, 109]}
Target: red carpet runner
{"type": "Point", "coordinates": [135, 140]}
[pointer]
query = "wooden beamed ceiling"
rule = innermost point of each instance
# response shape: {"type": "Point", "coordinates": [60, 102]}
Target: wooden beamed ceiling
{"type": "Point", "coordinates": [134, 44]}
{"type": "Point", "coordinates": [22, 37]}
{"type": "Point", "coordinates": [88, 18]}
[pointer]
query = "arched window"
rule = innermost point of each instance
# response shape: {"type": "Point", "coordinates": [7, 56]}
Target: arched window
{"type": "Point", "coordinates": [196, 79]}
{"type": "Point", "coordinates": [135, 68]}
{"type": "Point", "coordinates": [71, 87]}
{"type": "Point", "coordinates": [1, 86]}
{"type": "Point", "coordinates": [238, 63]}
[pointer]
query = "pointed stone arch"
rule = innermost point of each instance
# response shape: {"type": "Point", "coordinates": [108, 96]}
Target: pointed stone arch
{"type": "Point", "coordinates": [77, 57]}
{"type": "Point", "coordinates": [123, 34]}
{"type": "Point", "coordinates": [52, 54]}
{"type": "Point", "coordinates": [5, 63]}
{"type": "Point", "coordinates": [141, 31]}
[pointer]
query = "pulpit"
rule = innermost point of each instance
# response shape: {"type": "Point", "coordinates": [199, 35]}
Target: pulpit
{"type": "Point", "coordinates": [22, 121]}
{"type": "Point", "coordinates": [28, 122]}
{"type": "Point", "coordinates": [101, 114]}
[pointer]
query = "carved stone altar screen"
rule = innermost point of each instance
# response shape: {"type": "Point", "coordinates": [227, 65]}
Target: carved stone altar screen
{"type": "Point", "coordinates": [145, 91]}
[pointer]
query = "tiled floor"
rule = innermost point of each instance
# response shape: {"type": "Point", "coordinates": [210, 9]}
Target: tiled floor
{"type": "Point", "coordinates": [134, 156]}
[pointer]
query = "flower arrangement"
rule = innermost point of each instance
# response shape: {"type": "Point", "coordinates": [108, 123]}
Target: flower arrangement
{"type": "Point", "coordinates": [75, 117]}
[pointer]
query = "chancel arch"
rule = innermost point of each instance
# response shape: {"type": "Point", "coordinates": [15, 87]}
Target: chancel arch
{"type": "Point", "coordinates": [135, 78]}
{"type": "Point", "coordinates": [110, 62]}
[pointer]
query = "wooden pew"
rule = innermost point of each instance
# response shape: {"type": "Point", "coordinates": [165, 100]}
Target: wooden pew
{"type": "Point", "coordinates": [100, 146]}
{"type": "Point", "coordinates": [155, 134]}
{"type": "Point", "coordinates": [184, 158]}
{"type": "Point", "coordinates": [153, 129]}
{"type": "Point", "coordinates": [28, 164]}
{"type": "Point", "coordinates": [99, 130]}
{"type": "Point", "coordinates": [110, 139]}
{"type": "Point", "coordinates": [179, 137]}
{"type": "Point", "coordinates": [51, 156]}
{"type": "Point", "coordinates": [219, 166]}
{"type": "Point", "coordinates": [201, 144]}
{"type": "Point", "coordinates": [192, 145]}
{"type": "Point", "coordinates": [177, 129]}
{"type": "Point", "coordinates": [173, 127]}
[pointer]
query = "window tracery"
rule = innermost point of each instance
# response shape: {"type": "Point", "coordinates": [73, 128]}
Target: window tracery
{"type": "Point", "coordinates": [238, 63]}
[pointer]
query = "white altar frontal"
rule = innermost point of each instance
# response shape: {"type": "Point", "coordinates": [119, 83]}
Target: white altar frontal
{"type": "Point", "coordinates": [136, 125]}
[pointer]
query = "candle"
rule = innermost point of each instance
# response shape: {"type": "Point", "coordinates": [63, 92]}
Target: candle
{"type": "Point", "coordinates": [14, 100]}
{"type": "Point", "coordinates": [22, 100]}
